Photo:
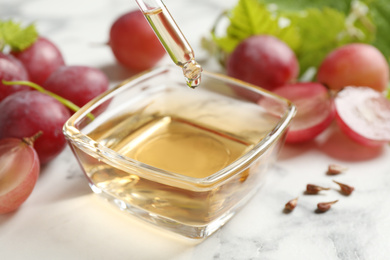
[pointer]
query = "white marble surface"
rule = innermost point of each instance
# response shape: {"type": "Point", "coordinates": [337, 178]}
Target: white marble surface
{"type": "Point", "coordinates": [62, 219]}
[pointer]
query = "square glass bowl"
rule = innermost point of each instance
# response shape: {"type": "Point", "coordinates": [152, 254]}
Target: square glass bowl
{"type": "Point", "coordinates": [183, 159]}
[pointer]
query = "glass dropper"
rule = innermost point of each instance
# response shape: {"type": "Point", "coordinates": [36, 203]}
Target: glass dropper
{"type": "Point", "coordinates": [172, 39]}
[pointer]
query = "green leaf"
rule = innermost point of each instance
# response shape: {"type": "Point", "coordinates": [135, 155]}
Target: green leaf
{"type": "Point", "coordinates": [378, 9]}
{"type": "Point", "coordinates": [378, 15]}
{"type": "Point", "coordinates": [322, 30]}
{"type": "Point", "coordinates": [380, 12]}
{"type": "Point", "coordinates": [15, 36]}
{"type": "Point", "coordinates": [299, 5]}
{"type": "Point", "coordinates": [248, 18]}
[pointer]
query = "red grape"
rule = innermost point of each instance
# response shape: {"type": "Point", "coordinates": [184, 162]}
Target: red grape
{"type": "Point", "coordinates": [19, 171]}
{"type": "Point", "coordinates": [11, 69]}
{"type": "Point", "coordinates": [363, 114]}
{"type": "Point", "coordinates": [40, 59]}
{"type": "Point", "coordinates": [78, 84]}
{"type": "Point", "coordinates": [315, 110]}
{"type": "Point", "coordinates": [263, 60]}
{"type": "Point", "coordinates": [27, 112]}
{"type": "Point", "coordinates": [355, 64]}
{"type": "Point", "coordinates": [134, 43]}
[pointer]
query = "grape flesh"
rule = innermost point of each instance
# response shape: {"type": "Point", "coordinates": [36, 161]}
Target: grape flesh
{"type": "Point", "coordinates": [363, 114]}
{"type": "Point", "coordinates": [79, 84]}
{"type": "Point", "coordinates": [355, 64]}
{"type": "Point", "coordinates": [263, 60]}
{"type": "Point", "coordinates": [27, 112]}
{"type": "Point", "coordinates": [11, 69]}
{"type": "Point", "coordinates": [134, 43]}
{"type": "Point", "coordinates": [315, 110]}
{"type": "Point", "coordinates": [19, 171]}
{"type": "Point", "coordinates": [40, 59]}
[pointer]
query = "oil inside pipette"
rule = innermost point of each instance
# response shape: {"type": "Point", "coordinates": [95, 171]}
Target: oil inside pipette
{"type": "Point", "coordinates": [175, 44]}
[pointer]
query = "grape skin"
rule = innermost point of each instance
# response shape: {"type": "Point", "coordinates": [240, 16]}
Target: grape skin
{"type": "Point", "coordinates": [315, 110]}
{"type": "Point", "coordinates": [263, 60]}
{"type": "Point", "coordinates": [19, 171]}
{"type": "Point", "coordinates": [27, 112]}
{"type": "Point", "coordinates": [363, 114]}
{"type": "Point", "coordinates": [40, 59]}
{"type": "Point", "coordinates": [11, 69]}
{"type": "Point", "coordinates": [79, 84]}
{"type": "Point", "coordinates": [354, 64]}
{"type": "Point", "coordinates": [134, 43]}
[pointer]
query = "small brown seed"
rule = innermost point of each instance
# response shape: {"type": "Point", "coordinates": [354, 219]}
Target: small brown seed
{"type": "Point", "coordinates": [346, 189]}
{"type": "Point", "coordinates": [314, 189]}
{"type": "Point", "coordinates": [334, 169]}
{"type": "Point", "coordinates": [325, 206]}
{"type": "Point", "coordinates": [290, 206]}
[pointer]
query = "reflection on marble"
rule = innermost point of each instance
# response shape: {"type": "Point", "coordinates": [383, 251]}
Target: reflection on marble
{"type": "Point", "coordinates": [62, 219]}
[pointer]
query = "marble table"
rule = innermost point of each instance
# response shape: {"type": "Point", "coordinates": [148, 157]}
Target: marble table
{"type": "Point", "coordinates": [63, 219]}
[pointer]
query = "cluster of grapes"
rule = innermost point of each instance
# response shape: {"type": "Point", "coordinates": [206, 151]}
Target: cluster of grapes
{"type": "Point", "coordinates": [349, 87]}
{"type": "Point", "coordinates": [25, 112]}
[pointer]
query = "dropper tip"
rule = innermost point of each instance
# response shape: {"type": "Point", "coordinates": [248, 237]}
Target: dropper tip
{"type": "Point", "coordinates": [192, 72]}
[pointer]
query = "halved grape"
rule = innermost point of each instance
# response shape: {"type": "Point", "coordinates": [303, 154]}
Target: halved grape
{"type": "Point", "coordinates": [315, 110]}
{"type": "Point", "coordinates": [364, 115]}
{"type": "Point", "coordinates": [19, 171]}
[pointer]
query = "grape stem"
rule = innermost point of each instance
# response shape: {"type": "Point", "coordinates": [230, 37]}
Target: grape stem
{"type": "Point", "coordinates": [62, 100]}
{"type": "Point", "coordinates": [30, 140]}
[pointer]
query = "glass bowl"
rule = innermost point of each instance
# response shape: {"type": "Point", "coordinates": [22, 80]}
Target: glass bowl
{"type": "Point", "coordinates": [183, 159]}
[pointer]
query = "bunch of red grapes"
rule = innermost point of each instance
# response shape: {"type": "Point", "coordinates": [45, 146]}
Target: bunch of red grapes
{"type": "Point", "coordinates": [26, 112]}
